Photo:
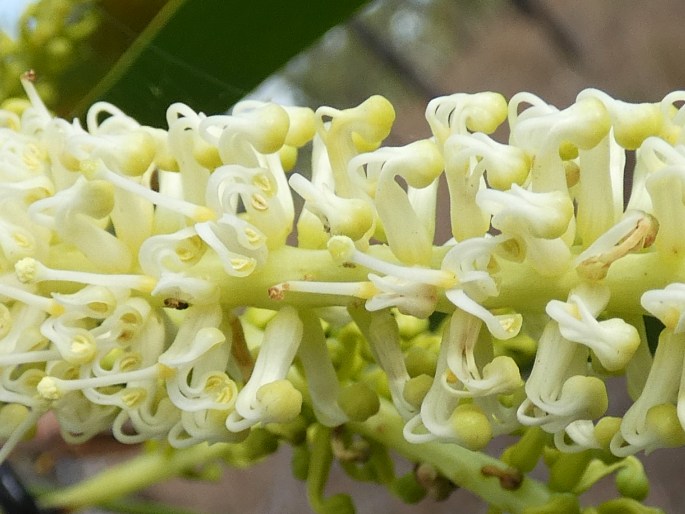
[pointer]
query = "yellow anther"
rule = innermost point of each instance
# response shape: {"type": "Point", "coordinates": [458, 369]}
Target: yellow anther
{"type": "Point", "coordinates": [134, 397]}
{"type": "Point", "coordinates": [219, 386]}
{"type": "Point", "coordinates": [254, 237]}
{"type": "Point", "coordinates": [82, 349]}
{"type": "Point", "coordinates": [130, 362]}
{"type": "Point", "coordinates": [33, 157]}
{"type": "Point", "coordinates": [242, 265]}
{"type": "Point", "coordinates": [189, 248]}
{"type": "Point", "coordinates": [259, 202]}
{"type": "Point", "coordinates": [263, 182]}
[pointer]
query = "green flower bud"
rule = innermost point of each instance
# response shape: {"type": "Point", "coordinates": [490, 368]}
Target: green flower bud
{"type": "Point", "coordinates": [410, 326]}
{"type": "Point", "coordinates": [258, 317]}
{"type": "Point", "coordinates": [626, 506]}
{"type": "Point", "coordinates": [632, 481]}
{"type": "Point", "coordinates": [11, 416]}
{"type": "Point", "coordinates": [416, 388]}
{"type": "Point", "coordinates": [338, 504]}
{"type": "Point", "coordinates": [280, 400]}
{"type": "Point", "coordinates": [568, 469]}
{"type": "Point", "coordinates": [358, 401]}
{"type": "Point", "coordinates": [420, 361]}
{"type": "Point", "coordinates": [471, 426]}
{"type": "Point", "coordinates": [521, 348]}
{"type": "Point", "coordinates": [559, 504]}
{"type": "Point", "coordinates": [525, 453]}
{"type": "Point", "coordinates": [408, 489]}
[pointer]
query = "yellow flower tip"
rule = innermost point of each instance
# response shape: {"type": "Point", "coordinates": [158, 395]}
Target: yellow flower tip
{"type": "Point", "coordinates": [593, 122]}
{"type": "Point", "coordinates": [568, 151]}
{"type": "Point", "coordinates": [165, 161]}
{"type": "Point", "coordinates": [633, 123]}
{"type": "Point", "coordinates": [378, 110]}
{"type": "Point", "coordinates": [16, 106]}
{"type": "Point", "coordinates": [370, 122]}
{"type": "Point", "coordinates": [471, 426]}
{"type": "Point", "coordinates": [362, 145]}
{"type": "Point", "coordinates": [280, 401]}
{"type": "Point", "coordinates": [88, 167]}
{"type": "Point", "coordinates": [662, 420]}
{"type": "Point", "coordinates": [165, 372]}
{"type": "Point", "coordinates": [355, 219]}
{"type": "Point", "coordinates": [302, 126]}
{"type": "Point", "coordinates": [367, 290]}
{"type": "Point", "coordinates": [590, 388]}
{"type": "Point", "coordinates": [147, 284]}
{"type": "Point", "coordinates": [288, 157]}
{"type": "Point", "coordinates": [671, 133]}
{"type": "Point", "coordinates": [274, 126]}
{"type": "Point", "coordinates": [207, 155]}
{"type": "Point", "coordinates": [489, 110]}
{"type": "Point", "coordinates": [55, 309]}
{"type": "Point", "coordinates": [138, 150]}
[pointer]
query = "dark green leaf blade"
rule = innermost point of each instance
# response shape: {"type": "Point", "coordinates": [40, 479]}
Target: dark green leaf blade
{"type": "Point", "coordinates": [210, 53]}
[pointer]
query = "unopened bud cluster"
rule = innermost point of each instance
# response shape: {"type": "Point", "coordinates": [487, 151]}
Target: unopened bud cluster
{"type": "Point", "coordinates": [160, 283]}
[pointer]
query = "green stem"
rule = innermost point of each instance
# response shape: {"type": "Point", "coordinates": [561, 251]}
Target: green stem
{"type": "Point", "coordinates": [461, 466]}
{"type": "Point", "coordinates": [140, 472]}
{"type": "Point", "coordinates": [521, 287]}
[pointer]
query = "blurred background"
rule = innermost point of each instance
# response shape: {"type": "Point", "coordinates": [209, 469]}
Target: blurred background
{"type": "Point", "coordinates": [144, 55]}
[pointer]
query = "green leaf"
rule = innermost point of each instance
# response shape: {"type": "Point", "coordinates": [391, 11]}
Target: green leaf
{"type": "Point", "coordinates": [210, 53]}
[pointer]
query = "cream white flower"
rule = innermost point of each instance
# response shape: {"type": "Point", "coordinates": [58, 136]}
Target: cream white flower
{"type": "Point", "coordinates": [462, 113]}
{"type": "Point", "coordinates": [542, 129]}
{"type": "Point", "coordinates": [268, 396]}
{"type": "Point", "coordinates": [613, 341]}
{"type": "Point", "coordinates": [559, 390]}
{"type": "Point", "coordinates": [536, 220]}
{"type": "Point", "coordinates": [409, 235]}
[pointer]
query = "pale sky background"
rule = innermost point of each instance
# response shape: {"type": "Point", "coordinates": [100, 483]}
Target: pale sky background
{"type": "Point", "coordinates": [10, 10]}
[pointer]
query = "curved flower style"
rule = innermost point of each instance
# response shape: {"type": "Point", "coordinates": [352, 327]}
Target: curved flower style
{"type": "Point", "coordinates": [151, 283]}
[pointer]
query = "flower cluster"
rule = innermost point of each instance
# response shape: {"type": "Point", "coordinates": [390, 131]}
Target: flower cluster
{"type": "Point", "coordinates": [163, 284]}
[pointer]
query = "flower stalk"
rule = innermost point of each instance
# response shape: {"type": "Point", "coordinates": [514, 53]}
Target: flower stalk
{"type": "Point", "coordinates": [160, 284]}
